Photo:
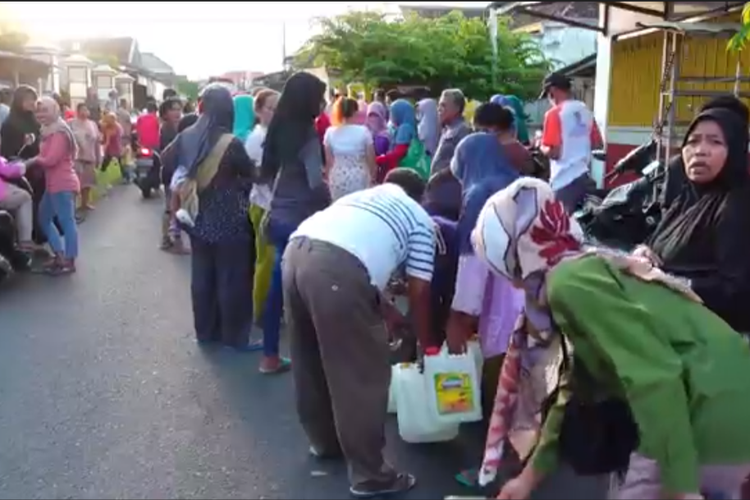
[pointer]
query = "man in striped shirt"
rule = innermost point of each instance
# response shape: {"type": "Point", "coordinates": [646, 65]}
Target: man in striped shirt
{"type": "Point", "coordinates": [335, 268]}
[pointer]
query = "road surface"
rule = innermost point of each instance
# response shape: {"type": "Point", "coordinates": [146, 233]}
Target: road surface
{"type": "Point", "coordinates": [104, 394]}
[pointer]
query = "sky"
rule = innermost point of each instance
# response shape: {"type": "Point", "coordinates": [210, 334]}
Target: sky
{"type": "Point", "coordinates": [198, 39]}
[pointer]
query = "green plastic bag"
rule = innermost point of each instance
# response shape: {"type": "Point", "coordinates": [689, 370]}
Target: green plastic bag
{"type": "Point", "coordinates": [416, 159]}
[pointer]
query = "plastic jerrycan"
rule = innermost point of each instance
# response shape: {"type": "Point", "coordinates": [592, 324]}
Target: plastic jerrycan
{"type": "Point", "coordinates": [392, 404]}
{"type": "Point", "coordinates": [453, 386]}
{"type": "Point", "coordinates": [416, 420]}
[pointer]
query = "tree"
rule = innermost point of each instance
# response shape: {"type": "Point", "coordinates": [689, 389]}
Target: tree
{"type": "Point", "coordinates": [188, 88]}
{"type": "Point", "coordinates": [105, 59]}
{"type": "Point", "coordinates": [738, 41]}
{"type": "Point", "coordinates": [451, 51]}
{"type": "Point", "coordinates": [13, 41]}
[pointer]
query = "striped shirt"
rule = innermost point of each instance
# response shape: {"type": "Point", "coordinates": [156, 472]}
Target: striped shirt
{"type": "Point", "coordinates": [383, 227]}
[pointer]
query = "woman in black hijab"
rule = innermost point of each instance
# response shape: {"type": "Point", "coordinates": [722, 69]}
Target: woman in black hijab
{"type": "Point", "coordinates": [703, 235]}
{"type": "Point", "coordinates": [676, 178]}
{"type": "Point", "coordinates": [221, 238]}
{"type": "Point", "coordinates": [19, 138]}
{"type": "Point", "coordinates": [293, 164]}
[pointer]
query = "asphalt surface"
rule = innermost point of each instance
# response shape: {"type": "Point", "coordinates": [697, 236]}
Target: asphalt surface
{"type": "Point", "coordinates": [104, 394]}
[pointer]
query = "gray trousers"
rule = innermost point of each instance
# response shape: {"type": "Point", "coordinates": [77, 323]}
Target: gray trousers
{"type": "Point", "coordinates": [339, 345]}
{"type": "Point", "coordinates": [571, 196]}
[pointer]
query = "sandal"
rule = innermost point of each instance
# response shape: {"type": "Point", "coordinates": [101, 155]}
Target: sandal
{"type": "Point", "coordinates": [402, 484]}
{"type": "Point", "coordinates": [468, 477]}
{"type": "Point", "coordinates": [252, 346]}
{"type": "Point", "coordinates": [285, 364]}
{"type": "Point", "coordinates": [60, 268]}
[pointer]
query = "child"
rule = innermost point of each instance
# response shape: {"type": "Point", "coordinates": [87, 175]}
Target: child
{"type": "Point", "coordinates": [111, 139]}
{"type": "Point", "coordinates": [183, 202]}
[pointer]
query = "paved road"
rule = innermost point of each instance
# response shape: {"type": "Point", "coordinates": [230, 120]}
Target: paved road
{"type": "Point", "coordinates": [104, 394]}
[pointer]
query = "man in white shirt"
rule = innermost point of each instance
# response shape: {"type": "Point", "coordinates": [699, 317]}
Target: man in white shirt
{"type": "Point", "coordinates": [335, 268]}
{"type": "Point", "coordinates": [569, 135]}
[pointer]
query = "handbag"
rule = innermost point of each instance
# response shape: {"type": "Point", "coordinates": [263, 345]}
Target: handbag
{"type": "Point", "coordinates": [598, 434]}
{"type": "Point", "coordinates": [416, 159]}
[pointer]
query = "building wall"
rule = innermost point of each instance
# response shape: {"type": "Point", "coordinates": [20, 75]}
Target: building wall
{"type": "Point", "coordinates": [636, 80]}
{"type": "Point", "coordinates": [563, 45]}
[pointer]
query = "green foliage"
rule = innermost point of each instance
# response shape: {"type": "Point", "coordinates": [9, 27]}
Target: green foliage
{"type": "Point", "coordinates": [451, 51]}
{"type": "Point", "coordinates": [107, 59]}
{"type": "Point", "coordinates": [188, 89]}
{"type": "Point", "coordinates": [738, 41]}
{"type": "Point", "coordinates": [12, 41]}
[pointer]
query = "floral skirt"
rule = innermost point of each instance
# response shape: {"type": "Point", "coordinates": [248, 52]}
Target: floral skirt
{"type": "Point", "coordinates": [347, 176]}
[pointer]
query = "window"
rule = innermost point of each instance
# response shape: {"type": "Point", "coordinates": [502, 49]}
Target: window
{"type": "Point", "coordinates": [77, 75]}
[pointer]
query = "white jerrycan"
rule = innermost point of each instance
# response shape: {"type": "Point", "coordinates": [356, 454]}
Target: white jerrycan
{"type": "Point", "coordinates": [416, 420]}
{"type": "Point", "coordinates": [453, 386]}
{"type": "Point", "coordinates": [392, 391]}
{"type": "Point", "coordinates": [474, 347]}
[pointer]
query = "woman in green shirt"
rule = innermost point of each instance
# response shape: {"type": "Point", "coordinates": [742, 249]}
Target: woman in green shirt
{"type": "Point", "coordinates": [643, 338]}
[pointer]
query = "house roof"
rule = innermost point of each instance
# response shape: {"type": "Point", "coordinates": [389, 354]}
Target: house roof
{"type": "Point", "coordinates": [581, 14]}
{"type": "Point", "coordinates": [581, 68]}
{"type": "Point", "coordinates": [125, 49]}
{"type": "Point", "coordinates": [441, 10]}
{"type": "Point", "coordinates": [667, 11]}
{"type": "Point", "coordinates": [155, 64]}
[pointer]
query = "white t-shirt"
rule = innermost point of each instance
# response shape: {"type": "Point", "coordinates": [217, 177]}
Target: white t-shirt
{"type": "Point", "coordinates": [348, 140]}
{"type": "Point", "coordinates": [260, 194]}
{"type": "Point", "coordinates": [571, 126]}
{"type": "Point", "coordinates": [383, 227]}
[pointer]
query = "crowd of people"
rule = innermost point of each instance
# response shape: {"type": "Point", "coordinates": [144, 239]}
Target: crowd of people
{"type": "Point", "coordinates": [352, 202]}
{"type": "Point", "coordinates": [628, 364]}
{"type": "Point", "coordinates": [52, 154]}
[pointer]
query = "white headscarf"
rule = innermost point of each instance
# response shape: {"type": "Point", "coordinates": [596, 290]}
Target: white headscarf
{"type": "Point", "coordinates": [57, 124]}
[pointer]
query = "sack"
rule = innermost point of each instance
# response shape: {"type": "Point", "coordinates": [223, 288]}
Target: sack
{"type": "Point", "coordinates": [597, 436]}
{"type": "Point", "coordinates": [189, 188]}
{"type": "Point", "coordinates": [416, 159]}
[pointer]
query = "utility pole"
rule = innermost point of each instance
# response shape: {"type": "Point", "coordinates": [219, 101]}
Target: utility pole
{"type": "Point", "coordinates": [283, 44]}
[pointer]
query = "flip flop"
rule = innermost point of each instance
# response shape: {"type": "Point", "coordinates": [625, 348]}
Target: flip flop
{"type": "Point", "coordinates": [285, 364]}
{"type": "Point", "coordinates": [252, 346]}
{"type": "Point", "coordinates": [468, 477]}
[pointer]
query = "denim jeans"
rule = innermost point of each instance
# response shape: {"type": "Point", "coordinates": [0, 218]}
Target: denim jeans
{"type": "Point", "coordinates": [278, 234]}
{"type": "Point", "coordinates": [63, 206]}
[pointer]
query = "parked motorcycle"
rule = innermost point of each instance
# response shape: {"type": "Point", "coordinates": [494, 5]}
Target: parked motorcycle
{"type": "Point", "coordinates": [11, 258]}
{"type": "Point", "coordinates": [625, 216]}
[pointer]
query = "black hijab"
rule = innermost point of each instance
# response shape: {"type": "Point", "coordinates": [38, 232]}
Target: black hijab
{"type": "Point", "coordinates": [704, 234]}
{"type": "Point", "coordinates": [676, 178]}
{"type": "Point", "coordinates": [216, 118]}
{"type": "Point", "coordinates": [293, 122]}
{"type": "Point", "coordinates": [19, 123]}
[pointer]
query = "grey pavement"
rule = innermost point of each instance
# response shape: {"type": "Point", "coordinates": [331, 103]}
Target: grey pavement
{"type": "Point", "coordinates": [104, 394]}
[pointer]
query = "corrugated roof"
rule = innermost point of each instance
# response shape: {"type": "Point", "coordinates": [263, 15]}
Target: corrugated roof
{"type": "Point", "coordinates": [154, 63]}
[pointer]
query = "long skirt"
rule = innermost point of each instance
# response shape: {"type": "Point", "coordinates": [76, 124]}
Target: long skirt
{"type": "Point", "coordinates": [221, 291]}
{"type": "Point", "coordinates": [264, 259]}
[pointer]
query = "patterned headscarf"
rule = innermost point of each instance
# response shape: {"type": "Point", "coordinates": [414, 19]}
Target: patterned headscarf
{"type": "Point", "coordinates": [523, 230]}
{"type": "Point", "coordinates": [521, 233]}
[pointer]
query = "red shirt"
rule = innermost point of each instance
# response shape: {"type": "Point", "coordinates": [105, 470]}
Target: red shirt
{"type": "Point", "coordinates": [322, 122]}
{"type": "Point", "coordinates": [147, 129]}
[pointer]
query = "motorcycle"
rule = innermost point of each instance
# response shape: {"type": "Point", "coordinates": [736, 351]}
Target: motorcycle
{"type": "Point", "coordinates": [11, 258]}
{"type": "Point", "coordinates": [147, 169]}
{"type": "Point", "coordinates": [625, 216]}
